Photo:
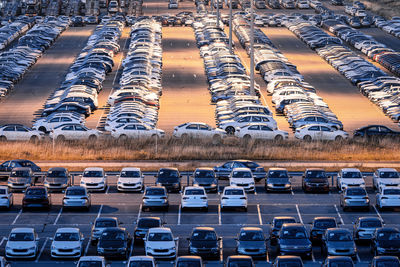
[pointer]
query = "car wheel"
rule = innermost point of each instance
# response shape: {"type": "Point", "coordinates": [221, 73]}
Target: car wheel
{"type": "Point", "coordinates": [184, 136]}
{"type": "Point", "coordinates": [3, 138]}
{"type": "Point", "coordinates": [154, 137]}
{"type": "Point", "coordinates": [60, 138]}
{"type": "Point", "coordinates": [216, 139]}
{"type": "Point", "coordinates": [42, 129]}
{"type": "Point", "coordinates": [34, 139]}
{"type": "Point", "coordinates": [247, 138]}
{"type": "Point", "coordinates": [122, 137]}
{"type": "Point", "coordinates": [230, 130]}
{"type": "Point", "coordinates": [278, 138]}
{"type": "Point", "coordinates": [307, 138]}
{"type": "Point", "coordinates": [92, 138]}
{"type": "Point", "coordinates": [338, 138]}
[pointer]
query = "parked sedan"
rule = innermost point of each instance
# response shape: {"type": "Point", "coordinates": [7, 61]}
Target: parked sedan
{"type": "Point", "coordinates": [251, 241]}
{"type": "Point", "coordinates": [204, 242]}
{"type": "Point", "coordinates": [20, 179]}
{"type": "Point", "coordinates": [205, 177]}
{"type": "Point", "coordinates": [278, 179]}
{"type": "Point", "coordinates": [6, 197]}
{"type": "Point", "coordinates": [130, 179]}
{"type": "Point", "coordinates": [376, 132]}
{"type": "Point", "coordinates": [242, 260]}
{"type": "Point", "coordinates": [315, 180]}
{"type": "Point", "coordinates": [294, 240]}
{"type": "Point", "coordinates": [350, 177]}
{"type": "Point", "coordinates": [338, 242]}
{"type": "Point", "coordinates": [276, 226]}
{"type": "Point", "coordinates": [198, 130]}
{"type": "Point", "coordinates": [354, 197]}
{"type": "Point", "coordinates": [99, 225]}
{"type": "Point", "coordinates": [97, 261]}
{"type": "Point", "coordinates": [194, 197]}
{"type": "Point", "coordinates": [18, 132]}
{"type": "Point", "coordinates": [388, 197]}
{"type": "Point", "coordinates": [242, 177]}
{"type": "Point", "coordinates": [74, 131]}
{"type": "Point", "coordinates": [260, 131]}
{"type": "Point", "coordinates": [142, 226]}
{"type": "Point", "coordinates": [114, 242]}
{"type": "Point", "coordinates": [67, 243]}
{"type": "Point", "coordinates": [36, 197]}
{"type": "Point", "coordinates": [169, 178]}
{"type": "Point", "coordinates": [94, 179]}
{"type": "Point", "coordinates": [385, 177]}
{"type": "Point", "coordinates": [317, 132]}
{"type": "Point", "coordinates": [76, 197]}
{"type": "Point", "coordinates": [142, 261]}
{"type": "Point", "coordinates": [233, 197]}
{"type": "Point", "coordinates": [391, 261]}
{"type": "Point", "coordinates": [136, 131]}
{"type": "Point", "coordinates": [364, 228]}
{"type": "Point", "coordinates": [319, 226]}
{"type": "Point", "coordinates": [9, 165]}
{"type": "Point", "coordinates": [386, 241]}
{"type": "Point", "coordinates": [292, 261]}
{"type": "Point", "coordinates": [224, 170]}
{"type": "Point", "coordinates": [23, 243]}
{"type": "Point", "coordinates": [155, 197]}
{"type": "Point", "coordinates": [160, 243]}
{"type": "Point", "coordinates": [57, 179]}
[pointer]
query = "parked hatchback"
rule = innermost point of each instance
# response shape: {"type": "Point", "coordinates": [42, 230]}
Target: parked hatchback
{"type": "Point", "coordinates": [114, 242]}
{"type": "Point", "coordinates": [354, 197]}
{"type": "Point", "coordinates": [36, 197]}
{"type": "Point", "coordinates": [364, 228]}
{"type": "Point", "coordinates": [251, 241]}
{"type": "Point", "coordinates": [76, 197]}
{"type": "Point", "coordinates": [20, 179]}
{"type": "Point", "coordinates": [338, 242]}
{"type": "Point", "coordinates": [204, 242]}
{"type": "Point", "coordinates": [22, 244]}
{"type": "Point", "coordinates": [278, 179]}
{"type": "Point", "coordinates": [276, 226]}
{"type": "Point", "coordinates": [142, 226]}
{"type": "Point", "coordinates": [155, 197]}
{"type": "Point", "coordinates": [6, 197]}
{"type": "Point", "coordinates": [206, 178]}
{"type": "Point", "coordinates": [57, 179]}
{"type": "Point", "coordinates": [319, 226]}
{"type": "Point", "coordinates": [386, 241]}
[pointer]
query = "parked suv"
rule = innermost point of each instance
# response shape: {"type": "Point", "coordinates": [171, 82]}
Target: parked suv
{"type": "Point", "coordinates": [155, 197]}
{"type": "Point", "coordinates": [294, 240]}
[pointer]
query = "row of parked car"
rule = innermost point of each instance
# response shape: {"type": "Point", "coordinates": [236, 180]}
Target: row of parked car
{"type": "Point", "coordinates": [13, 30]}
{"type": "Point", "coordinates": [134, 105]}
{"type": "Point", "coordinates": [305, 110]}
{"type": "Point", "coordinates": [391, 26]}
{"type": "Point", "coordinates": [16, 61]}
{"type": "Point", "coordinates": [375, 50]}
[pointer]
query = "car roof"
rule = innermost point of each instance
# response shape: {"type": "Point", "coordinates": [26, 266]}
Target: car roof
{"type": "Point", "coordinates": [239, 257]}
{"type": "Point", "coordinates": [94, 169]}
{"type": "Point", "coordinates": [233, 187]}
{"type": "Point", "coordinates": [283, 218]}
{"type": "Point", "coordinates": [169, 168]}
{"type": "Point", "coordinates": [315, 169]}
{"type": "Point", "coordinates": [203, 228]}
{"type": "Point", "coordinates": [58, 169]}
{"type": "Point", "coordinates": [241, 169]}
{"type": "Point", "coordinates": [193, 187]}
{"type": "Point", "coordinates": [204, 169]}
{"type": "Point", "coordinates": [386, 170]}
{"type": "Point", "coordinates": [67, 230]}
{"type": "Point", "coordinates": [22, 230]}
{"type": "Point", "coordinates": [198, 258]}
{"type": "Point", "coordinates": [106, 219]}
{"type": "Point", "coordinates": [91, 258]}
{"type": "Point", "coordinates": [292, 225]}
{"type": "Point", "coordinates": [339, 258]}
{"type": "Point", "coordinates": [250, 229]}
{"type": "Point", "coordinates": [160, 230]}
{"type": "Point", "coordinates": [141, 258]}
{"type": "Point", "coordinates": [133, 169]}
{"type": "Point", "coordinates": [324, 218]}
{"type": "Point", "coordinates": [277, 169]}
{"type": "Point", "coordinates": [369, 218]}
{"type": "Point", "coordinates": [21, 169]}
{"type": "Point", "coordinates": [350, 170]}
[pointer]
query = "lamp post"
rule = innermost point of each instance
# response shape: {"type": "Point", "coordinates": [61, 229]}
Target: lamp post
{"type": "Point", "coordinates": [252, 91]}
{"type": "Point", "coordinates": [230, 26]}
{"type": "Point", "coordinates": [218, 13]}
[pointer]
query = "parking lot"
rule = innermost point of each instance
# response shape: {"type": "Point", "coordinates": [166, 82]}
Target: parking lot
{"type": "Point", "coordinates": [262, 207]}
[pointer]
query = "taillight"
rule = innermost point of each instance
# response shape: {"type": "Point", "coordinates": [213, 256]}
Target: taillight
{"type": "Point", "coordinates": [224, 198]}
{"type": "Point", "coordinates": [145, 198]}
{"type": "Point", "coordinates": [184, 198]}
{"type": "Point", "coordinates": [243, 198]}
{"type": "Point", "coordinates": [84, 198]}
{"type": "Point", "coordinates": [163, 197]}
{"type": "Point", "coordinates": [203, 198]}
{"type": "Point", "coordinates": [346, 198]}
{"type": "Point", "coordinates": [4, 197]}
{"type": "Point", "coordinates": [365, 198]}
{"type": "Point", "coordinates": [384, 198]}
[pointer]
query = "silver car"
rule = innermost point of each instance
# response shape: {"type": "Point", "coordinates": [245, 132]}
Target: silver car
{"type": "Point", "coordinates": [6, 197]}
{"type": "Point", "coordinates": [20, 179]}
{"type": "Point", "coordinates": [354, 197]}
{"type": "Point", "coordinates": [338, 242]}
{"type": "Point", "coordinates": [364, 228]}
{"type": "Point", "coordinates": [57, 179]}
{"type": "Point", "coordinates": [77, 197]}
{"type": "Point", "coordinates": [155, 197]}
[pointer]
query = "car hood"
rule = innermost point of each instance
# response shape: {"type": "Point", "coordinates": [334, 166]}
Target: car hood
{"type": "Point", "coordinates": [340, 244]}
{"type": "Point", "coordinates": [92, 180]}
{"type": "Point", "coordinates": [56, 179]}
{"type": "Point", "coordinates": [160, 244]}
{"type": "Point", "coordinates": [316, 180]}
{"type": "Point", "coordinates": [205, 180]}
{"type": "Point", "coordinates": [278, 180]}
{"type": "Point", "coordinates": [252, 244]}
{"type": "Point", "coordinates": [352, 181]}
{"type": "Point", "coordinates": [66, 244]}
{"type": "Point", "coordinates": [130, 180]}
{"type": "Point", "coordinates": [19, 180]}
{"type": "Point", "coordinates": [389, 181]}
{"type": "Point", "coordinates": [203, 244]}
{"type": "Point", "coordinates": [112, 244]}
{"type": "Point", "coordinates": [21, 244]}
{"type": "Point", "coordinates": [295, 242]}
{"type": "Point", "coordinates": [389, 243]}
{"type": "Point", "coordinates": [241, 180]}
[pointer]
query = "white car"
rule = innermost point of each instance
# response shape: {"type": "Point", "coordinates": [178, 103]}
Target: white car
{"type": "Point", "coordinates": [242, 177]}
{"type": "Point", "coordinates": [317, 132]}
{"type": "Point", "coordinates": [385, 177]}
{"type": "Point", "coordinates": [194, 197]}
{"type": "Point", "coordinates": [118, 122]}
{"type": "Point", "coordinates": [4, 263]}
{"type": "Point", "coordinates": [18, 132]}
{"type": "Point", "coordinates": [302, 4]}
{"type": "Point", "coordinates": [198, 130]}
{"type": "Point", "coordinates": [74, 131]}
{"type": "Point", "coordinates": [145, 261]}
{"type": "Point", "coordinates": [233, 197]}
{"type": "Point", "coordinates": [94, 179]}
{"type": "Point", "coordinates": [130, 179]}
{"type": "Point", "coordinates": [6, 197]}
{"type": "Point", "coordinates": [388, 197]}
{"type": "Point", "coordinates": [135, 130]}
{"type": "Point", "coordinates": [260, 131]}
{"type": "Point", "coordinates": [160, 243]}
{"type": "Point", "coordinates": [67, 243]}
{"type": "Point", "coordinates": [350, 177]}
{"type": "Point", "coordinates": [98, 261]}
{"type": "Point", "coordinates": [231, 125]}
{"type": "Point", "coordinates": [48, 124]}
{"type": "Point", "coordinates": [22, 243]}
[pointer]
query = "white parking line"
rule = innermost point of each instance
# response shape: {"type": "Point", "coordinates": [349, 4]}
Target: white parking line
{"type": "Point", "coordinates": [358, 257]}
{"type": "Point", "coordinates": [87, 247]}
{"type": "Point", "coordinates": [298, 213]}
{"type": "Point", "coordinates": [58, 216]}
{"type": "Point", "coordinates": [2, 240]}
{"type": "Point", "coordinates": [140, 211]}
{"type": "Point", "coordinates": [108, 188]}
{"type": "Point", "coordinates": [219, 214]}
{"type": "Point", "coordinates": [340, 216]}
{"type": "Point", "coordinates": [16, 218]}
{"type": "Point", "coordinates": [177, 247]}
{"type": "Point", "coordinates": [179, 215]}
{"type": "Point", "coordinates": [377, 212]}
{"type": "Point", "coordinates": [291, 191]}
{"type": "Point", "coordinates": [312, 256]}
{"type": "Point", "coordinates": [259, 214]}
{"type": "Point", "coordinates": [221, 250]}
{"type": "Point", "coordinates": [131, 249]}
{"type": "Point", "coordinates": [99, 213]}
{"type": "Point", "coordinates": [41, 251]}
{"type": "Point", "coordinates": [255, 192]}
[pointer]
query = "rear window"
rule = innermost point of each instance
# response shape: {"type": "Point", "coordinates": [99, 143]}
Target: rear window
{"type": "Point", "coordinates": [194, 192]}
{"type": "Point", "coordinates": [148, 223]}
{"type": "Point", "coordinates": [35, 192]}
{"type": "Point", "coordinates": [234, 192]}
{"type": "Point", "coordinates": [371, 224]}
{"type": "Point", "coordinates": [140, 264]}
{"type": "Point", "coordinates": [76, 192]}
{"type": "Point", "coordinates": [155, 192]}
{"type": "Point", "coordinates": [240, 263]}
{"type": "Point", "coordinates": [325, 224]}
{"type": "Point", "coordinates": [188, 264]}
{"type": "Point", "coordinates": [103, 224]}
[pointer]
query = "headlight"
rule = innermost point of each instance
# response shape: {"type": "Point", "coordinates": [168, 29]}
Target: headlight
{"type": "Point", "coordinates": [173, 248]}
{"type": "Point", "coordinates": [82, 182]}
{"type": "Point", "coordinates": [284, 246]}
{"type": "Point", "coordinates": [381, 249]}
{"type": "Point", "coordinates": [159, 184]}
{"type": "Point", "coordinates": [119, 182]}
{"type": "Point", "coordinates": [101, 183]}
{"type": "Point", "coordinates": [270, 185]}
{"type": "Point", "coordinates": [252, 183]}
{"type": "Point", "coordinates": [46, 182]}
{"type": "Point", "coordinates": [32, 248]}
{"type": "Point", "coordinates": [77, 248]}
{"type": "Point", "coordinates": [100, 250]}
{"type": "Point", "coordinates": [148, 248]}
{"type": "Point", "coordinates": [8, 248]}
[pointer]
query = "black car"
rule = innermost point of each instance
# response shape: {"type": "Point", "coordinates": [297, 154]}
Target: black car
{"type": "Point", "coordinates": [242, 261]}
{"type": "Point", "coordinates": [251, 242]}
{"type": "Point", "coordinates": [337, 2]}
{"type": "Point", "coordinates": [375, 132]}
{"type": "Point", "coordinates": [276, 226]}
{"type": "Point", "coordinates": [285, 261]}
{"type": "Point", "coordinates": [143, 224]}
{"type": "Point", "coordinates": [205, 177]}
{"type": "Point", "coordinates": [204, 242]}
{"type": "Point", "coordinates": [36, 197]}
{"type": "Point", "coordinates": [169, 178]}
{"type": "Point", "coordinates": [319, 226]}
{"type": "Point", "coordinates": [78, 21]}
{"type": "Point", "coordinates": [114, 242]}
{"type": "Point", "coordinates": [294, 240]}
{"type": "Point", "coordinates": [386, 241]}
{"type": "Point", "coordinates": [315, 180]}
{"type": "Point", "coordinates": [7, 166]}
{"type": "Point", "coordinates": [386, 261]}
{"type": "Point", "coordinates": [223, 171]}
{"type": "Point", "coordinates": [189, 261]}
{"type": "Point", "coordinates": [342, 261]}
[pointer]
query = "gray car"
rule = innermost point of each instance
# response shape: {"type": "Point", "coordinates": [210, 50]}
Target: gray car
{"type": "Point", "coordinates": [338, 242]}
{"type": "Point", "coordinates": [278, 179]}
{"type": "Point", "coordinates": [155, 197]}
{"type": "Point", "coordinates": [364, 228]}
{"type": "Point", "coordinates": [206, 178]}
{"type": "Point", "coordinates": [57, 179]}
{"type": "Point", "coordinates": [251, 242]}
{"type": "Point", "coordinates": [354, 197]}
{"type": "Point", "coordinates": [20, 179]}
{"type": "Point", "coordinates": [99, 225]}
{"type": "Point", "coordinates": [76, 197]}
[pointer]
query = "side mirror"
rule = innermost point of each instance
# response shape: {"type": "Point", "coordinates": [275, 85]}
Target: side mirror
{"type": "Point", "coordinates": [267, 239]}
{"type": "Point", "coordinates": [121, 223]}
{"type": "Point", "coordinates": [176, 238]}
{"type": "Point", "coordinates": [219, 238]}
{"type": "Point", "coordinates": [82, 238]}
{"type": "Point", "coordinates": [5, 238]}
{"type": "Point", "coordinates": [51, 239]}
{"type": "Point", "coordinates": [144, 238]}
{"type": "Point", "coordinates": [188, 238]}
{"type": "Point", "coordinates": [180, 176]}
{"type": "Point", "coordinates": [37, 238]}
{"type": "Point", "coordinates": [155, 176]}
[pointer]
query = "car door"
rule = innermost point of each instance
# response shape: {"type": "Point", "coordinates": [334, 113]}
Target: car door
{"type": "Point", "coordinates": [22, 133]}
{"type": "Point", "coordinates": [142, 132]}
{"type": "Point", "coordinates": [192, 130]}
{"type": "Point", "coordinates": [53, 122]}
{"type": "Point", "coordinates": [254, 131]}
{"type": "Point", "coordinates": [384, 131]}
{"type": "Point", "coordinates": [9, 132]}
{"type": "Point", "coordinates": [5, 166]}
{"type": "Point", "coordinates": [81, 132]}
{"type": "Point", "coordinates": [130, 131]}
{"type": "Point", "coordinates": [244, 120]}
{"type": "Point", "coordinates": [204, 131]}
{"type": "Point", "coordinates": [315, 132]}
{"type": "Point", "coordinates": [327, 133]}
{"type": "Point", "coordinates": [372, 131]}
{"type": "Point", "coordinates": [68, 132]}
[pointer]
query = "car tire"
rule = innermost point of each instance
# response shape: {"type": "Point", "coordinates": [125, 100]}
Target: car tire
{"type": "Point", "coordinates": [245, 209]}
{"type": "Point", "coordinates": [216, 139]}
{"type": "Point", "coordinates": [122, 138]}
{"type": "Point", "coordinates": [60, 138]}
{"type": "Point", "coordinates": [34, 139]}
{"type": "Point", "coordinates": [184, 136]}
{"type": "Point", "coordinates": [338, 138]}
{"type": "Point", "coordinates": [3, 138]}
{"type": "Point", "coordinates": [247, 138]}
{"type": "Point", "coordinates": [278, 138]}
{"type": "Point", "coordinates": [230, 130]}
{"type": "Point", "coordinates": [42, 129]}
{"type": "Point", "coordinates": [92, 138]}
{"type": "Point", "coordinates": [307, 138]}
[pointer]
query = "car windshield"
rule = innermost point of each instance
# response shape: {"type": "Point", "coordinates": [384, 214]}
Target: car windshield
{"type": "Point", "coordinates": [3, 191]}
{"type": "Point", "coordinates": [204, 174]}
{"type": "Point", "coordinates": [240, 263]}
{"type": "Point", "coordinates": [93, 174]}
{"type": "Point", "coordinates": [168, 174]}
{"type": "Point", "coordinates": [104, 224]}
{"type": "Point", "coordinates": [391, 191]}
{"type": "Point", "coordinates": [56, 174]}
{"type": "Point", "coordinates": [113, 235]}
{"type": "Point", "coordinates": [386, 235]}
{"type": "Point", "coordinates": [148, 223]}
{"type": "Point", "coordinates": [250, 164]}
{"type": "Point", "coordinates": [234, 192]}
{"type": "Point", "coordinates": [294, 233]}
{"type": "Point", "coordinates": [66, 237]}
{"type": "Point", "coordinates": [315, 174]}
{"type": "Point", "coordinates": [351, 175]}
{"type": "Point", "coordinates": [160, 237]}
{"type": "Point", "coordinates": [388, 175]}
{"type": "Point", "coordinates": [194, 263]}
{"type": "Point", "coordinates": [356, 192]}
{"type": "Point", "coordinates": [35, 192]}
{"type": "Point", "coordinates": [241, 174]}
{"type": "Point", "coordinates": [387, 263]}
{"type": "Point", "coordinates": [155, 192]}
{"type": "Point", "coordinates": [289, 263]}
{"type": "Point", "coordinates": [204, 235]}
{"type": "Point", "coordinates": [341, 263]}
{"type": "Point", "coordinates": [280, 222]}
{"type": "Point", "coordinates": [20, 174]}
{"type": "Point", "coordinates": [141, 264]}
{"type": "Point", "coordinates": [90, 264]}
{"type": "Point", "coordinates": [278, 174]}
{"type": "Point", "coordinates": [76, 192]}
{"type": "Point", "coordinates": [371, 224]}
{"type": "Point", "coordinates": [26, 164]}
{"type": "Point", "coordinates": [325, 224]}
{"type": "Point", "coordinates": [339, 236]}
{"type": "Point", "coordinates": [21, 237]}
{"type": "Point", "coordinates": [251, 236]}
{"type": "Point", "coordinates": [194, 192]}
{"type": "Point", "coordinates": [130, 174]}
